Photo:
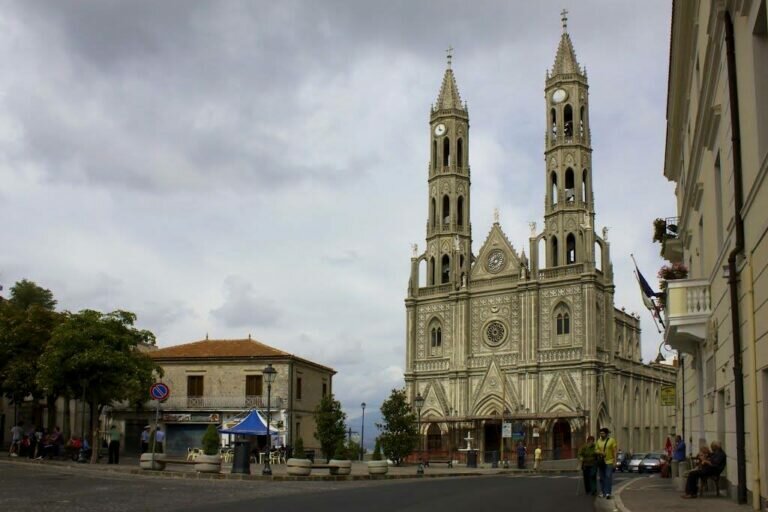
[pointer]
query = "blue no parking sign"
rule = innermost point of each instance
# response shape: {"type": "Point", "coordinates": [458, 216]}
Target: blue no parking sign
{"type": "Point", "coordinates": [159, 391]}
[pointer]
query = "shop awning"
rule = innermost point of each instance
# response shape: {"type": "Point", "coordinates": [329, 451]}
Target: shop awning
{"type": "Point", "coordinates": [252, 425]}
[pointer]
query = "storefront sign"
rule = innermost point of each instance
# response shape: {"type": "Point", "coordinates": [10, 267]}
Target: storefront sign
{"type": "Point", "coordinates": [668, 395]}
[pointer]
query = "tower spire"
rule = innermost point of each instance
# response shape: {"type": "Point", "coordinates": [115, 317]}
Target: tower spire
{"type": "Point", "coordinates": [564, 18]}
{"type": "Point", "coordinates": [449, 97]}
{"type": "Point", "coordinates": [565, 60]}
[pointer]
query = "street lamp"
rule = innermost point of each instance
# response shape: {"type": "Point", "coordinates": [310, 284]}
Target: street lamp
{"type": "Point", "coordinates": [418, 402]}
{"type": "Point", "coordinates": [269, 374]}
{"type": "Point", "coordinates": [504, 414]}
{"type": "Point", "coordinates": [362, 432]}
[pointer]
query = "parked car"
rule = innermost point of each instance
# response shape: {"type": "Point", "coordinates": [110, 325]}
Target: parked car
{"type": "Point", "coordinates": [622, 461]}
{"type": "Point", "coordinates": [651, 463]}
{"type": "Point", "coordinates": [634, 462]}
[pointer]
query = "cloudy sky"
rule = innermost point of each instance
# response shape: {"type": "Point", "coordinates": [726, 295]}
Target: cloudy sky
{"type": "Point", "coordinates": [238, 167]}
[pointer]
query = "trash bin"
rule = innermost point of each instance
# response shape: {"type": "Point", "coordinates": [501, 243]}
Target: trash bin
{"type": "Point", "coordinates": [241, 463]}
{"type": "Point", "coordinates": [472, 459]}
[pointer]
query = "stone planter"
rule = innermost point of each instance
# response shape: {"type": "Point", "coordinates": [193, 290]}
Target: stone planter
{"type": "Point", "coordinates": [299, 467]}
{"type": "Point", "coordinates": [378, 467]}
{"type": "Point", "coordinates": [345, 467]}
{"type": "Point", "coordinates": [208, 463]}
{"type": "Point", "coordinates": [146, 461]}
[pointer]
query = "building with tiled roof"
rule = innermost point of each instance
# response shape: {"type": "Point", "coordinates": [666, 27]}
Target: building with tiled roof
{"type": "Point", "coordinates": [212, 381]}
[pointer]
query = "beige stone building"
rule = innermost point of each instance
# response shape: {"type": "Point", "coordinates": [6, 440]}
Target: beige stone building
{"type": "Point", "coordinates": [717, 155]}
{"type": "Point", "coordinates": [536, 343]}
{"type": "Point", "coordinates": [212, 381]}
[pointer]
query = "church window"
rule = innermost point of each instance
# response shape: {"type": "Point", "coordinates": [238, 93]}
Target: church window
{"type": "Point", "coordinates": [541, 256]}
{"type": "Point", "coordinates": [431, 272]}
{"type": "Point", "coordinates": [562, 320]}
{"type": "Point", "coordinates": [446, 210]}
{"type": "Point", "coordinates": [433, 212]}
{"type": "Point", "coordinates": [436, 337]}
{"type": "Point", "coordinates": [554, 252]}
{"type": "Point", "coordinates": [460, 153]}
{"type": "Point", "coordinates": [568, 121]}
{"type": "Point", "coordinates": [570, 249]}
{"type": "Point", "coordinates": [434, 154]}
{"type": "Point", "coordinates": [446, 152]}
{"type": "Point", "coordinates": [570, 189]}
{"type": "Point", "coordinates": [581, 123]}
{"type": "Point", "coordinates": [584, 186]}
{"type": "Point", "coordinates": [495, 333]}
{"type": "Point", "coordinates": [553, 132]}
{"type": "Point", "coordinates": [460, 211]}
{"type": "Point", "coordinates": [598, 256]}
{"type": "Point", "coordinates": [553, 177]}
{"type": "Point", "coordinates": [446, 269]}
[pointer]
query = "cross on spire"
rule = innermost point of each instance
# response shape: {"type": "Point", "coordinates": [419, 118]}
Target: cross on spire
{"type": "Point", "coordinates": [449, 51]}
{"type": "Point", "coordinates": [564, 18]}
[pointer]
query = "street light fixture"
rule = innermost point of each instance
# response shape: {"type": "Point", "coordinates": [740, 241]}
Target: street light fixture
{"type": "Point", "coordinates": [269, 374]}
{"type": "Point", "coordinates": [418, 402]}
{"type": "Point", "coordinates": [362, 432]}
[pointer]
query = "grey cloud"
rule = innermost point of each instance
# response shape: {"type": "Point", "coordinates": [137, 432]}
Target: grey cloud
{"type": "Point", "coordinates": [243, 307]}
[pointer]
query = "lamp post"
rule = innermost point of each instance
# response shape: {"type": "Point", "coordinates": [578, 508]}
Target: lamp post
{"type": "Point", "coordinates": [362, 433]}
{"type": "Point", "coordinates": [418, 402]}
{"type": "Point", "coordinates": [504, 414]}
{"type": "Point", "coordinates": [269, 374]}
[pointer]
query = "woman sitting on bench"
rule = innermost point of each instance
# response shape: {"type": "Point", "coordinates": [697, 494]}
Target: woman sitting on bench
{"type": "Point", "coordinates": [710, 466]}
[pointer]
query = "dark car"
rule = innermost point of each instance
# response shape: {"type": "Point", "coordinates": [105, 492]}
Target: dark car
{"type": "Point", "coordinates": [622, 462]}
{"type": "Point", "coordinates": [651, 463]}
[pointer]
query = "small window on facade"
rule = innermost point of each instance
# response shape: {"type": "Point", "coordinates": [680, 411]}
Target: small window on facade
{"type": "Point", "coordinates": [568, 121]}
{"type": "Point", "coordinates": [434, 154]}
{"type": "Point", "coordinates": [195, 386]}
{"type": "Point", "coordinates": [446, 210]}
{"type": "Point", "coordinates": [433, 212]}
{"type": "Point", "coordinates": [555, 254]}
{"type": "Point", "coordinates": [446, 152]}
{"type": "Point", "coordinates": [581, 123]}
{"type": "Point", "coordinates": [253, 385]}
{"type": "Point", "coordinates": [445, 271]}
{"type": "Point", "coordinates": [553, 130]}
{"type": "Point", "coordinates": [554, 187]}
{"type": "Point", "coordinates": [570, 188]}
{"type": "Point", "coordinates": [584, 186]}
{"type": "Point", "coordinates": [459, 153]}
{"type": "Point", "coordinates": [460, 211]}
{"type": "Point", "coordinates": [435, 338]}
{"type": "Point", "coordinates": [298, 388]}
{"type": "Point", "coordinates": [325, 388]}
{"type": "Point", "coordinates": [570, 249]}
{"type": "Point", "coordinates": [431, 272]}
{"type": "Point", "coordinates": [562, 320]}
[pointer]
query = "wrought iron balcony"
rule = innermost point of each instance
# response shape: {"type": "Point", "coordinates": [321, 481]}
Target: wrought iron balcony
{"type": "Point", "coordinates": [667, 233]}
{"type": "Point", "coordinates": [222, 402]}
{"type": "Point", "coordinates": [687, 311]}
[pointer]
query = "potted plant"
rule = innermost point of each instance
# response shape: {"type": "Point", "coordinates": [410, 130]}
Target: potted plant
{"type": "Point", "coordinates": [210, 460]}
{"type": "Point", "coordinates": [155, 459]}
{"type": "Point", "coordinates": [299, 465]}
{"type": "Point", "coordinates": [341, 460]}
{"type": "Point", "coordinates": [670, 273]}
{"type": "Point", "coordinates": [659, 230]}
{"type": "Point", "coordinates": [377, 466]}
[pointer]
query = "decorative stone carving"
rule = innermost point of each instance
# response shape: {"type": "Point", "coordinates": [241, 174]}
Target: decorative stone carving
{"type": "Point", "coordinates": [571, 295]}
{"type": "Point", "coordinates": [442, 312]}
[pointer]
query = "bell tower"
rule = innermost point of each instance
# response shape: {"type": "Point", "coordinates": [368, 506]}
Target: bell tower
{"type": "Point", "coordinates": [449, 233]}
{"type": "Point", "coordinates": [569, 209]}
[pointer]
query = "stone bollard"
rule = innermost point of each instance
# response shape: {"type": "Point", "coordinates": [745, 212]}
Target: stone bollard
{"type": "Point", "coordinates": [682, 470]}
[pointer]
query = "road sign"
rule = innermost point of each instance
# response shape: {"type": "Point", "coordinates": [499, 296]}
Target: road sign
{"type": "Point", "coordinates": [506, 430]}
{"type": "Point", "coordinates": [667, 395]}
{"type": "Point", "coordinates": [159, 391]}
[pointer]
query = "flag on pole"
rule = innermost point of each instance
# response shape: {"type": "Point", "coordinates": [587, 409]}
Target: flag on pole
{"type": "Point", "coordinates": [648, 294]}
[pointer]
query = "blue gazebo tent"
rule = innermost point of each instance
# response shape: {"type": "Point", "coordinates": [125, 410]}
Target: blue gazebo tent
{"type": "Point", "coordinates": [252, 425]}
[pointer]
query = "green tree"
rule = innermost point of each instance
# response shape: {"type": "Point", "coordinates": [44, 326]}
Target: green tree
{"type": "Point", "coordinates": [298, 449]}
{"type": "Point", "coordinates": [329, 421]}
{"type": "Point", "coordinates": [211, 441]}
{"type": "Point", "coordinates": [376, 450]}
{"type": "Point", "coordinates": [96, 355]}
{"type": "Point", "coordinates": [27, 321]}
{"type": "Point", "coordinates": [399, 435]}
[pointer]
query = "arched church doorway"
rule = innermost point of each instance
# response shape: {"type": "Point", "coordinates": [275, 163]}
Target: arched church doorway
{"type": "Point", "coordinates": [434, 438]}
{"type": "Point", "coordinates": [561, 440]}
{"type": "Point", "coordinates": [492, 437]}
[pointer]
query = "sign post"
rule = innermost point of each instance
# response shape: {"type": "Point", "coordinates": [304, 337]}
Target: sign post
{"type": "Point", "coordinates": [159, 392]}
{"type": "Point", "coordinates": [667, 396]}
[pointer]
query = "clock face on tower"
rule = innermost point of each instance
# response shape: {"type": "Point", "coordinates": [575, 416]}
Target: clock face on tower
{"type": "Point", "coordinates": [440, 129]}
{"type": "Point", "coordinates": [559, 96]}
{"type": "Point", "coordinates": [496, 261]}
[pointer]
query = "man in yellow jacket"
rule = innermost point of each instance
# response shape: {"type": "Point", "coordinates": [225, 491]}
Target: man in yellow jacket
{"type": "Point", "coordinates": [605, 451]}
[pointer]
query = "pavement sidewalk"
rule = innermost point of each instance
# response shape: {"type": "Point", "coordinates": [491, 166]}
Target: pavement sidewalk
{"type": "Point", "coordinates": [652, 493]}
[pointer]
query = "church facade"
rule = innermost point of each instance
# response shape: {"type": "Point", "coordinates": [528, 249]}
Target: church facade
{"type": "Point", "coordinates": [531, 341]}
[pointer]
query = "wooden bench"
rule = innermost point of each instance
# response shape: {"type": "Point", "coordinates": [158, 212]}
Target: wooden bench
{"type": "Point", "coordinates": [439, 461]}
{"type": "Point", "coordinates": [705, 479]}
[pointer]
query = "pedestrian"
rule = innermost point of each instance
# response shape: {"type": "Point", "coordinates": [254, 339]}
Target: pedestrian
{"type": "Point", "coordinates": [57, 441]}
{"type": "Point", "coordinates": [605, 455]}
{"type": "Point", "coordinates": [159, 439]}
{"type": "Point", "coordinates": [521, 451]}
{"type": "Point", "coordinates": [679, 453]}
{"type": "Point", "coordinates": [145, 440]}
{"type": "Point", "coordinates": [114, 445]}
{"type": "Point", "coordinates": [710, 465]}
{"type": "Point", "coordinates": [588, 468]}
{"type": "Point", "coordinates": [536, 458]}
{"type": "Point", "coordinates": [17, 434]}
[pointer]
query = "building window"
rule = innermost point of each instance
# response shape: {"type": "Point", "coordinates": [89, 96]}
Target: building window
{"type": "Point", "coordinates": [435, 338]}
{"type": "Point", "coordinates": [195, 386]}
{"type": "Point", "coordinates": [253, 385]}
{"type": "Point", "coordinates": [562, 320]}
{"type": "Point", "coordinates": [297, 434]}
{"type": "Point", "coordinates": [298, 388]}
{"type": "Point", "coordinates": [325, 388]}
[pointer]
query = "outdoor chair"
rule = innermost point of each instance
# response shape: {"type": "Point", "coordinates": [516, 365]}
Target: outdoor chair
{"type": "Point", "coordinates": [704, 482]}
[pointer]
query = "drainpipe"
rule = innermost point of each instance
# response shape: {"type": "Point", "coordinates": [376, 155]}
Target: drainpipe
{"type": "Point", "coordinates": [733, 277]}
{"type": "Point", "coordinates": [753, 422]}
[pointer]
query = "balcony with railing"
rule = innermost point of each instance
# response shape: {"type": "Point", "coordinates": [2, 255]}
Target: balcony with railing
{"type": "Point", "coordinates": [667, 233]}
{"type": "Point", "coordinates": [687, 308]}
{"type": "Point", "coordinates": [222, 402]}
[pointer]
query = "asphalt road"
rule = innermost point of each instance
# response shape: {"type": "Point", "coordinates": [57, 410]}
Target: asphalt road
{"type": "Point", "coordinates": [38, 488]}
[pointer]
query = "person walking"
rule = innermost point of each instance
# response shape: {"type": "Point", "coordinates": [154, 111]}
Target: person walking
{"type": "Point", "coordinates": [605, 455]}
{"type": "Point", "coordinates": [521, 451]}
{"type": "Point", "coordinates": [159, 440]}
{"type": "Point", "coordinates": [536, 458]}
{"type": "Point", "coordinates": [145, 440]}
{"type": "Point", "coordinates": [114, 445]}
{"type": "Point", "coordinates": [588, 468]}
{"type": "Point", "coordinates": [17, 434]}
{"type": "Point", "coordinates": [679, 453]}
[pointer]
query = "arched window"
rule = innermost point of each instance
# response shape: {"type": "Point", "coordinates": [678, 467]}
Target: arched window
{"type": "Point", "coordinates": [562, 319]}
{"type": "Point", "coordinates": [554, 258]}
{"type": "Point", "coordinates": [431, 272]}
{"type": "Point", "coordinates": [570, 249]}
{"type": "Point", "coordinates": [598, 256]}
{"type": "Point", "coordinates": [423, 271]}
{"type": "Point", "coordinates": [446, 269]}
{"type": "Point", "coordinates": [553, 130]}
{"type": "Point", "coordinates": [553, 180]}
{"type": "Point", "coordinates": [460, 153]}
{"type": "Point", "coordinates": [570, 188]}
{"type": "Point", "coordinates": [581, 122]}
{"type": "Point", "coordinates": [541, 257]}
{"type": "Point", "coordinates": [460, 211]}
{"type": "Point", "coordinates": [584, 186]}
{"type": "Point", "coordinates": [568, 121]}
{"type": "Point", "coordinates": [446, 152]}
{"type": "Point", "coordinates": [434, 154]}
{"type": "Point", "coordinates": [436, 337]}
{"type": "Point", "coordinates": [446, 210]}
{"type": "Point", "coordinates": [433, 212]}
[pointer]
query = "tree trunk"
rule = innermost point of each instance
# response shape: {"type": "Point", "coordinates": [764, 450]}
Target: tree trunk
{"type": "Point", "coordinates": [66, 426]}
{"type": "Point", "coordinates": [50, 402]}
{"type": "Point", "coordinates": [95, 443]}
